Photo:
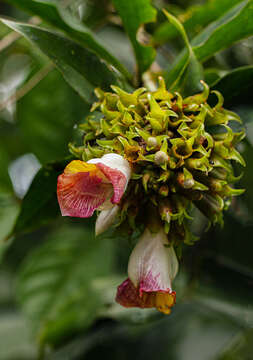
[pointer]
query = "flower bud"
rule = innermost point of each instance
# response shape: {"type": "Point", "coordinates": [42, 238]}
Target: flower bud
{"type": "Point", "coordinates": [152, 142]}
{"type": "Point", "coordinates": [161, 158]}
{"type": "Point", "coordinates": [105, 219]}
{"type": "Point", "coordinates": [188, 183]}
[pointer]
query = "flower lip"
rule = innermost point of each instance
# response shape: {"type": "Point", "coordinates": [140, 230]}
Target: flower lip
{"type": "Point", "coordinates": [85, 187]}
{"type": "Point", "coordinates": [128, 296]}
{"type": "Point", "coordinates": [79, 194]}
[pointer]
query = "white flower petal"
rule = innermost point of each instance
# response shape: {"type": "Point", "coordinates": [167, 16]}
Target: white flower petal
{"type": "Point", "coordinates": [105, 219]}
{"type": "Point", "coordinates": [114, 161]}
{"type": "Point", "coordinates": [173, 263]}
{"type": "Point", "coordinates": [153, 265]}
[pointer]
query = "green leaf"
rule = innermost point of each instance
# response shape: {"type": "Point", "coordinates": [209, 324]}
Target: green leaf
{"type": "Point", "coordinates": [46, 124]}
{"type": "Point", "coordinates": [235, 25]}
{"type": "Point", "coordinates": [195, 17]}
{"type": "Point", "coordinates": [235, 82]}
{"type": "Point", "coordinates": [212, 75]}
{"type": "Point", "coordinates": [134, 14]}
{"type": "Point", "coordinates": [55, 286]}
{"type": "Point", "coordinates": [187, 73]}
{"type": "Point", "coordinates": [80, 67]}
{"type": "Point", "coordinates": [58, 16]}
{"type": "Point", "coordinates": [40, 205]}
{"type": "Point", "coordinates": [217, 36]}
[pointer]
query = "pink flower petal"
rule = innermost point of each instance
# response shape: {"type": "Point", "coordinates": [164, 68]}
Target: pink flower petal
{"type": "Point", "coordinates": [118, 180]}
{"type": "Point", "coordinates": [150, 282]}
{"type": "Point", "coordinates": [79, 194]}
{"type": "Point", "coordinates": [96, 184]}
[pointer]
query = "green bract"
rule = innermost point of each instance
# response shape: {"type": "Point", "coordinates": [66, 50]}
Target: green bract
{"type": "Point", "coordinates": [180, 150]}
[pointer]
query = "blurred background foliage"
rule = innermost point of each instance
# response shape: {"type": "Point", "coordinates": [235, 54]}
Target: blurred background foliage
{"type": "Point", "coordinates": [57, 281]}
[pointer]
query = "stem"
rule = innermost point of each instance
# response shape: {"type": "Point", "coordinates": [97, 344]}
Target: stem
{"type": "Point", "coordinates": [10, 38]}
{"type": "Point", "coordinates": [27, 87]}
{"type": "Point", "coordinates": [153, 219]}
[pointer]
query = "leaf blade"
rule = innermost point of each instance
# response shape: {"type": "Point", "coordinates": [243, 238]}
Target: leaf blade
{"type": "Point", "coordinates": [218, 35]}
{"type": "Point", "coordinates": [56, 15]}
{"type": "Point", "coordinates": [39, 205]}
{"type": "Point", "coordinates": [187, 72]}
{"type": "Point", "coordinates": [80, 67]}
{"type": "Point", "coordinates": [134, 14]}
{"type": "Point", "coordinates": [225, 31]}
{"type": "Point", "coordinates": [196, 16]}
{"type": "Point", "coordinates": [55, 284]}
{"type": "Point", "coordinates": [235, 83]}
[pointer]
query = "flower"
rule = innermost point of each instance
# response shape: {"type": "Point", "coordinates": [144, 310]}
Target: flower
{"type": "Point", "coordinates": [152, 267]}
{"type": "Point", "coordinates": [105, 219]}
{"type": "Point", "coordinates": [97, 184]}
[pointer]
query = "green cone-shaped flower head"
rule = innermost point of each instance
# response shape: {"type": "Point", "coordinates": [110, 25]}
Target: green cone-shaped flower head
{"type": "Point", "coordinates": [181, 153]}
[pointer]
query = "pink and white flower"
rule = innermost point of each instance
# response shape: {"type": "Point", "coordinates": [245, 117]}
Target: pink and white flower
{"type": "Point", "coordinates": [152, 267]}
{"type": "Point", "coordinates": [96, 184]}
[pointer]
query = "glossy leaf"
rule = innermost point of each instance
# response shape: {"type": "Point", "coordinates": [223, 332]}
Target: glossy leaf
{"type": "Point", "coordinates": [135, 14]}
{"type": "Point", "coordinates": [195, 17]}
{"type": "Point", "coordinates": [235, 83]}
{"type": "Point", "coordinates": [212, 75]}
{"type": "Point", "coordinates": [80, 67]}
{"type": "Point", "coordinates": [40, 205]}
{"type": "Point", "coordinates": [55, 284]}
{"type": "Point", "coordinates": [187, 73]}
{"type": "Point", "coordinates": [47, 126]}
{"type": "Point", "coordinates": [56, 15]}
{"type": "Point", "coordinates": [217, 36]}
{"type": "Point", "coordinates": [235, 25]}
